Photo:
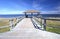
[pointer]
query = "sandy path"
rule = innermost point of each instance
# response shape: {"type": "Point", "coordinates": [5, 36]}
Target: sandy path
{"type": "Point", "coordinates": [26, 30]}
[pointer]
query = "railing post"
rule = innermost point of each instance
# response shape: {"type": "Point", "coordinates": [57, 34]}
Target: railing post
{"type": "Point", "coordinates": [41, 22]}
{"type": "Point", "coordinates": [25, 14]}
{"type": "Point", "coordinates": [11, 24]}
{"type": "Point", "coordinates": [44, 24]}
{"type": "Point", "coordinates": [31, 15]}
{"type": "Point", "coordinates": [17, 20]}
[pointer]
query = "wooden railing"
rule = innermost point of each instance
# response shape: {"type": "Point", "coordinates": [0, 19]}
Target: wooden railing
{"type": "Point", "coordinates": [43, 23]}
{"type": "Point", "coordinates": [12, 24]}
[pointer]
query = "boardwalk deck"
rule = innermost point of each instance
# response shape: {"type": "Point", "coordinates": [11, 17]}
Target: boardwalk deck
{"type": "Point", "coordinates": [26, 30]}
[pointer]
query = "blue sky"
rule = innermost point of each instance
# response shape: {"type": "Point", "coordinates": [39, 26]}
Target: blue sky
{"type": "Point", "coordinates": [18, 6]}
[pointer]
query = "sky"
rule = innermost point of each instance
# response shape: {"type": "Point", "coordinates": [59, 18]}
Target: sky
{"type": "Point", "coordinates": [19, 6]}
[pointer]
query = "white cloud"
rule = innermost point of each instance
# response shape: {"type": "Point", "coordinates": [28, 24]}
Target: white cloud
{"type": "Point", "coordinates": [10, 12]}
{"type": "Point", "coordinates": [36, 5]}
{"type": "Point", "coordinates": [58, 8]}
{"type": "Point", "coordinates": [55, 11]}
{"type": "Point", "coordinates": [50, 12]}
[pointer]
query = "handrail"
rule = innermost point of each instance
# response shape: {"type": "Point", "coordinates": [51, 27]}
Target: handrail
{"type": "Point", "coordinates": [9, 25]}
{"type": "Point", "coordinates": [36, 25]}
{"type": "Point", "coordinates": [49, 25]}
{"type": "Point", "coordinates": [4, 26]}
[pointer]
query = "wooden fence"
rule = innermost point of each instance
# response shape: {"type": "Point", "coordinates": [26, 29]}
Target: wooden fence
{"type": "Point", "coordinates": [44, 20]}
{"type": "Point", "coordinates": [12, 24]}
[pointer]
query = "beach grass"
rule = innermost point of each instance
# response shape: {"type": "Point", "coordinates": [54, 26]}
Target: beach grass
{"type": "Point", "coordinates": [4, 29]}
{"type": "Point", "coordinates": [5, 22]}
{"type": "Point", "coordinates": [52, 25]}
{"type": "Point", "coordinates": [54, 30]}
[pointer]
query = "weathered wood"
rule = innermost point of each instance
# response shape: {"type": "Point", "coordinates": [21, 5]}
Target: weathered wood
{"type": "Point", "coordinates": [31, 15]}
{"type": "Point", "coordinates": [44, 23]}
{"type": "Point", "coordinates": [25, 14]}
{"type": "Point", "coordinates": [31, 12]}
{"type": "Point", "coordinates": [11, 24]}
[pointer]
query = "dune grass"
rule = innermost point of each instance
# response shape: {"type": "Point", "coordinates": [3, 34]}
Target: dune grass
{"type": "Point", "coordinates": [5, 22]}
{"type": "Point", "coordinates": [4, 29]}
{"type": "Point", "coordinates": [39, 20]}
{"type": "Point", "coordinates": [52, 25]}
{"type": "Point", "coordinates": [54, 30]}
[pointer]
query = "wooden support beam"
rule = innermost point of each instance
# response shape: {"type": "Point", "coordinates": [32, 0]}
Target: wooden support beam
{"type": "Point", "coordinates": [38, 13]}
{"type": "Point", "coordinates": [25, 14]}
{"type": "Point", "coordinates": [17, 19]}
{"type": "Point", "coordinates": [11, 24]}
{"type": "Point", "coordinates": [44, 24]}
{"type": "Point", "coordinates": [31, 15]}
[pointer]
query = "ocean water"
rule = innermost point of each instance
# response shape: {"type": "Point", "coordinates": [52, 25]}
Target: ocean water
{"type": "Point", "coordinates": [50, 15]}
{"type": "Point", "coordinates": [11, 15]}
{"type": "Point", "coordinates": [21, 15]}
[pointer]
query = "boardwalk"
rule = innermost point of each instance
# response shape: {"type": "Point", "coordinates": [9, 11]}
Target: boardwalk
{"type": "Point", "coordinates": [26, 30]}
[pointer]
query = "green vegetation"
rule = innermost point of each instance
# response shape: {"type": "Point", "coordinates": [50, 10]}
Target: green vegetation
{"type": "Point", "coordinates": [39, 20]}
{"type": "Point", "coordinates": [4, 29]}
{"type": "Point", "coordinates": [5, 22]}
{"type": "Point", "coordinates": [55, 30]}
{"type": "Point", "coordinates": [52, 25]}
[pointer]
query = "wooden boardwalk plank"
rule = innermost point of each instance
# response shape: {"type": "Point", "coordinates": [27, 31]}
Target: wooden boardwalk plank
{"type": "Point", "coordinates": [26, 30]}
